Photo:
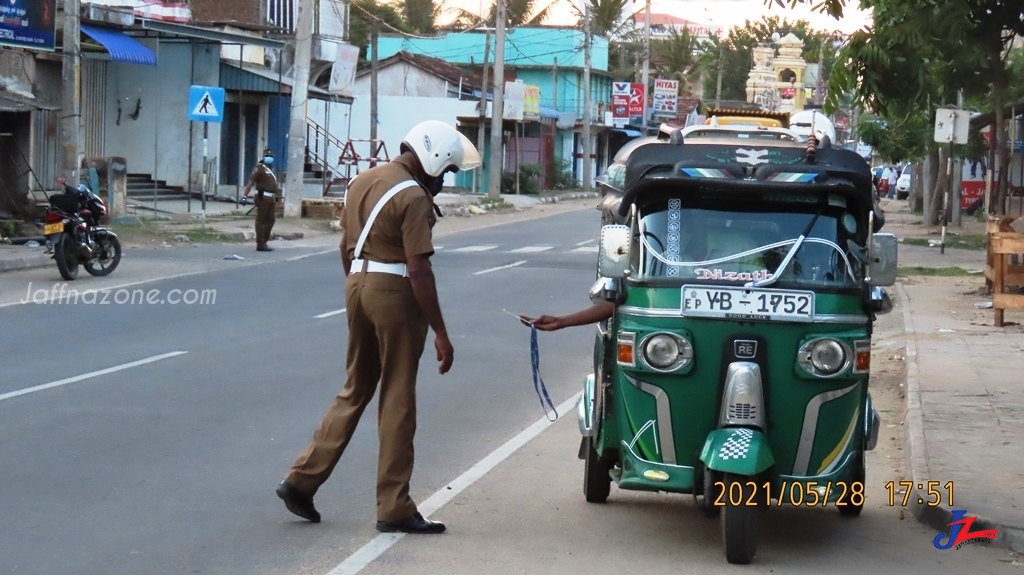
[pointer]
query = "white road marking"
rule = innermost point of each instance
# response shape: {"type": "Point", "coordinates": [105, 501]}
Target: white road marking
{"type": "Point", "coordinates": [381, 543]}
{"type": "Point", "coordinates": [489, 270]}
{"type": "Point", "coordinates": [531, 249]}
{"type": "Point", "coordinates": [330, 313]}
{"type": "Point", "coordinates": [586, 242]}
{"type": "Point", "coordinates": [474, 249]}
{"type": "Point", "coordinates": [587, 249]}
{"type": "Point", "coordinates": [90, 375]}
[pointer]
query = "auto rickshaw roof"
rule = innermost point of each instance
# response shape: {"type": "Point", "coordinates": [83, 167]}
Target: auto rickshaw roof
{"type": "Point", "coordinates": [747, 166]}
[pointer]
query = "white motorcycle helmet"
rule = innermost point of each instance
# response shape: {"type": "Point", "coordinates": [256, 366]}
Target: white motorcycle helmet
{"type": "Point", "coordinates": [441, 148]}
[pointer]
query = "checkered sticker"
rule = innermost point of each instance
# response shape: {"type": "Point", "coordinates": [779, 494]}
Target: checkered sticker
{"type": "Point", "coordinates": [737, 445]}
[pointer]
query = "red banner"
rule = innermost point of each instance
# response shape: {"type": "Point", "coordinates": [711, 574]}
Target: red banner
{"type": "Point", "coordinates": [636, 99]}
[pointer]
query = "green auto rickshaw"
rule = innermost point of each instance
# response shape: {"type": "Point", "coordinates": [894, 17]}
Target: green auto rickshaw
{"type": "Point", "coordinates": [746, 274]}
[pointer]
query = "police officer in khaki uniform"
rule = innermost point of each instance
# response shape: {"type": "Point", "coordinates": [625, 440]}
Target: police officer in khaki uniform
{"type": "Point", "coordinates": [391, 300]}
{"type": "Point", "coordinates": [266, 201]}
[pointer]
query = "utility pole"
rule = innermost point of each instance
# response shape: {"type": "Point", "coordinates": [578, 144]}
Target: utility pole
{"type": "Point", "coordinates": [478, 177]}
{"type": "Point", "coordinates": [70, 104]}
{"type": "Point", "coordinates": [498, 108]}
{"type": "Point", "coordinates": [646, 77]}
{"type": "Point", "coordinates": [374, 32]}
{"type": "Point", "coordinates": [718, 86]}
{"type": "Point", "coordinates": [587, 167]}
{"type": "Point", "coordinates": [297, 127]}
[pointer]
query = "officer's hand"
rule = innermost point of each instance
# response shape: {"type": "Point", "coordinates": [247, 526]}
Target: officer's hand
{"type": "Point", "coordinates": [445, 353]}
{"type": "Point", "coordinates": [543, 323]}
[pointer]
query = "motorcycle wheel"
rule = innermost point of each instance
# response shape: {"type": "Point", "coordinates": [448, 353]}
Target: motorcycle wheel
{"type": "Point", "coordinates": [109, 249]}
{"type": "Point", "coordinates": [67, 257]}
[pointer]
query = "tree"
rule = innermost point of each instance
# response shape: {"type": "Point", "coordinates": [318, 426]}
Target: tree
{"type": "Point", "coordinates": [910, 41]}
{"type": "Point", "coordinates": [678, 57]}
{"type": "Point", "coordinates": [608, 18]}
{"type": "Point", "coordinates": [517, 13]}
{"type": "Point", "coordinates": [421, 15]}
{"type": "Point", "coordinates": [365, 11]}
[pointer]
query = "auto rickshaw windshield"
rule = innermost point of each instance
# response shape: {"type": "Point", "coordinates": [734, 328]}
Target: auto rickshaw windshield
{"type": "Point", "coordinates": [742, 241]}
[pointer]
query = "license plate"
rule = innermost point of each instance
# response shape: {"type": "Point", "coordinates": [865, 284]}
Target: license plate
{"type": "Point", "coordinates": [49, 229]}
{"type": "Point", "coordinates": [747, 303]}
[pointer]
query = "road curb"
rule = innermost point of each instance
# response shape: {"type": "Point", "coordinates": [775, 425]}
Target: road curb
{"type": "Point", "coordinates": [916, 449]}
{"type": "Point", "coordinates": [25, 263]}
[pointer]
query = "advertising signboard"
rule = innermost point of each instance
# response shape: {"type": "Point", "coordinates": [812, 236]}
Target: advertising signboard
{"type": "Point", "coordinates": [29, 24]}
{"type": "Point", "coordinates": [620, 103]}
{"type": "Point", "coordinates": [666, 96]}
{"type": "Point", "coordinates": [637, 99]}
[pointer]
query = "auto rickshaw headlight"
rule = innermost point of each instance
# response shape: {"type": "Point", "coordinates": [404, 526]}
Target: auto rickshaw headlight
{"type": "Point", "coordinates": [667, 352]}
{"type": "Point", "coordinates": [824, 357]}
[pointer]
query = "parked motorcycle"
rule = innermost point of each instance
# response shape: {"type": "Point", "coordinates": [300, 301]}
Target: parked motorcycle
{"type": "Point", "coordinates": [72, 231]}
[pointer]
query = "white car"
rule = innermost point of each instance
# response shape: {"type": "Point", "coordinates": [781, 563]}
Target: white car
{"type": "Point", "coordinates": [903, 184]}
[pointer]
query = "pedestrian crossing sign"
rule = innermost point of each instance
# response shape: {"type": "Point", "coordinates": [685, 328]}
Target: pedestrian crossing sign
{"type": "Point", "coordinates": [206, 104]}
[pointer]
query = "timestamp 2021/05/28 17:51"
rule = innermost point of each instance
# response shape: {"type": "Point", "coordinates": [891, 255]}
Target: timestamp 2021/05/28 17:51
{"type": "Point", "coordinates": [837, 493]}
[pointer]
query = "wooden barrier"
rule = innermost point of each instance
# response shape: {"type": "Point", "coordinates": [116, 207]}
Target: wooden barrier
{"type": "Point", "coordinates": [1003, 243]}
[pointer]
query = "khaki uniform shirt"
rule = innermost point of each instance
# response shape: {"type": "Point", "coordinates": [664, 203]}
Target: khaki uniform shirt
{"type": "Point", "coordinates": [403, 226]}
{"type": "Point", "coordinates": [263, 178]}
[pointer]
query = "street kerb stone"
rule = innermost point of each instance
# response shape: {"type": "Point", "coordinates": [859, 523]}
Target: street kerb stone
{"type": "Point", "coordinates": [916, 449]}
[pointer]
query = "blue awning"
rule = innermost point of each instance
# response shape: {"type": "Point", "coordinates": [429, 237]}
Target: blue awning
{"type": "Point", "coordinates": [122, 48]}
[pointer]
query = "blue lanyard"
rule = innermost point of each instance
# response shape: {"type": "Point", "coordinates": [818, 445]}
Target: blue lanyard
{"type": "Point", "coordinates": [538, 381]}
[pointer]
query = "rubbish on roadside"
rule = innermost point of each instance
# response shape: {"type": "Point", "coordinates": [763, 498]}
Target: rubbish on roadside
{"type": "Point", "coordinates": [983, 305]}
{"type": "Point", "coordinates": [234, 257]}
{"type": "Point", "coordinates": [182, 238]}
{"type": "Point", "coordinates": [31, 244]}
{"type": "Point", "coordinates": [946, 330]}
{"type": "Point", "coordinates": [975, 272]}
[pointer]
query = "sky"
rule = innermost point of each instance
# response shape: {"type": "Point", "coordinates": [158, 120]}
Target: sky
{"type": "Point", "coordinates": [724, 13]}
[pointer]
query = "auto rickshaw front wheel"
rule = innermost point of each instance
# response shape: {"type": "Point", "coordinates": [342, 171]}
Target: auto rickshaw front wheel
{"type": "Point", "coordinates": [739, 520]}
{"type": "Point", "coordinates": [859, 475]}
{"type": "Point", "coordinates": [597, 483]}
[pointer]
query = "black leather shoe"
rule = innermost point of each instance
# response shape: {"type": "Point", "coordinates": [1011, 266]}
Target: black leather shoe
{"type": "Point", "coordinates": [415, 523]}
{"type": "Point", "coordinates": [297, 503]}
{"type": "Point", "coordinates": [264, 249]}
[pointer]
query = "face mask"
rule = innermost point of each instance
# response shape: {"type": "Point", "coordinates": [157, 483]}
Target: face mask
{"type": "Point", "coordinates": [268, 160]}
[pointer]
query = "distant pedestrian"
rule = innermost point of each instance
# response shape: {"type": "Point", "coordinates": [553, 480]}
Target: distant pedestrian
{"type": "Point", "coordinates": [265, 181]}
{"type": "Point", "coordinates": [391, 301]}
{"type": "Point", "coordinates": [894, 175]}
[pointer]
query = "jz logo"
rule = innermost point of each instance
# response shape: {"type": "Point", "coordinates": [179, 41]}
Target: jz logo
{"type": "Point", "coordinates": [960, 532]}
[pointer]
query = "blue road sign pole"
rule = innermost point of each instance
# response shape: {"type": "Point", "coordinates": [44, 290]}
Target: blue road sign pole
{"type": "Point", "coordinates": [206, 181]}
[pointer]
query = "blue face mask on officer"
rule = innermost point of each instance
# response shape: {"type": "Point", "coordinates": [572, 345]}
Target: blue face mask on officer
{"type": "Point", "coordinates": [268, 160]}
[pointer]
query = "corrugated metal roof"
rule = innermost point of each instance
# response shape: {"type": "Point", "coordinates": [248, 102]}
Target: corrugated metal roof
{"type": "Point", "coordinates": [235, 79]}
{"type": "Point", "coordinates": [122, 48]}
{"type": "Point", "coordinates": [259, 79]}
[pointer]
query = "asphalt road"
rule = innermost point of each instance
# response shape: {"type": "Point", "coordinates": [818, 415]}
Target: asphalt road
{"type": "Point", "coordinates": [149, 438]}
{"type": "Point", "coordinates": [169, 466]}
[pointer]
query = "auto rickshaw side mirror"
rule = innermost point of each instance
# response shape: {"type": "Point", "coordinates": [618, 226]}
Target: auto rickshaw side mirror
{"type": "Point", "coordinates": [881, 303]}
{"type": "Point", "coordinates": [608, 290]}
{"type": "Point", "coordinates": [881, 269]}
{"type": "Point", "coordinates": [613, 254]}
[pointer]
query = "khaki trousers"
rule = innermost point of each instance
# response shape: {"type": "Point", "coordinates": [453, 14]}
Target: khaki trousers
{"type": "Point", "coordinates": [266, 207]}
{"type": "Point", "coordinates": [387, 334]}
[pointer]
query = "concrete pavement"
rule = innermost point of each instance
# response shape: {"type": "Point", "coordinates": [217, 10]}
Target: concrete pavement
{"type": "Point", "coordinates": [964, 392]}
